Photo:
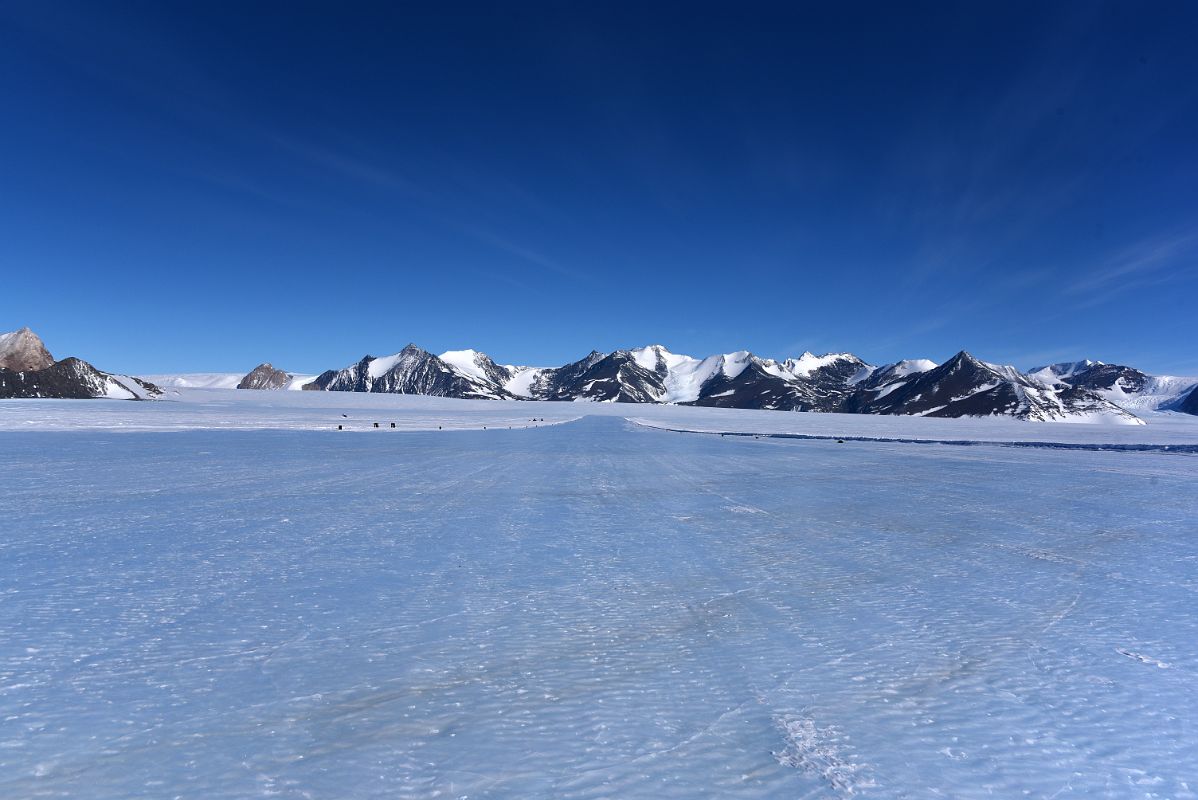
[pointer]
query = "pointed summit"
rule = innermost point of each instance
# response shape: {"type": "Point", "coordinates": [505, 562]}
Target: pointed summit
{"type": "Point", "coordinates": [23, 351]}
{"type": "Point", "coordinates": [265, 376]}
{"type": "Point", "coordinates": [1189, 405]}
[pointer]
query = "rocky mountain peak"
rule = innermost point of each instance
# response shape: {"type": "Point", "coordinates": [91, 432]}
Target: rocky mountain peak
{"type": "Point", "coordinates": [264, 376]}
{"type": "Point", "coordinates": [23, 350]}
{"type": "Point", "coordinates": [1189, 404]}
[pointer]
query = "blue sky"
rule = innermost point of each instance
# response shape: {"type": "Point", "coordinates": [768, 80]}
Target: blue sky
{"type": "Point", "coordinates": [204, 186]}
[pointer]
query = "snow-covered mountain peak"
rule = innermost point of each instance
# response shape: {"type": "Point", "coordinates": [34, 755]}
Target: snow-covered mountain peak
{"type": "Point", "coordinates": [1126, 387]}
{"type": "Point", "coordinates": [833, 382]}
{"type": "Point", "coordinates": [1064, 369]}
{"type": "Point", "coordinates": [412, 370]}
{"type": "Point", "coordinates": [659, 359]}
{"type": "Point", "coordinates": [478, 365]}
{"type": "Point", "coordinates": [912, 366]}
{"type": "Point", "coordinates": [808, 362]}
{"type": "Point", "coordinates": [468, 354]}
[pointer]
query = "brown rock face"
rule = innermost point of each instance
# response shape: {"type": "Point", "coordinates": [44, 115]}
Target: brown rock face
{"type": "Point", "coordinates": [23, 351]}
{"type": "Point", "coordinates": [264, 376]}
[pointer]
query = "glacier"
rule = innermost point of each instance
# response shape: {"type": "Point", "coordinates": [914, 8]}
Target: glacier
{"type": "Point", "coordinates": [223, 596]}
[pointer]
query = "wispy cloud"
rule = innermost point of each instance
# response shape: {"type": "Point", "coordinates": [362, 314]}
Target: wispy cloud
{"type": "Point", "coordinates": [525, 254]}
{"type": "Point", "coordinates": [352, 167]}
{"type": "Point", "coordinates": [1151, 262]}
{"type": "Point", "coordinates": [1028, 359]}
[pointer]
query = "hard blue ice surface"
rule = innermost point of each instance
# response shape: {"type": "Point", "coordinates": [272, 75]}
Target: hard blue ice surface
{"type": "Point", "coordinates": [592, 610]}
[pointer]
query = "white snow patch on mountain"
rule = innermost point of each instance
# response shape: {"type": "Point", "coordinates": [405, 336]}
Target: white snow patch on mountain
{"type": "Point", "coordinates": [913, 366]}
{"type": "Point", "coordinates": [212, 380]}
{"type": "Point", "coordinates": [685, 375]}
{"type": "Point", "coordinates": [808, 363]}
{"type": "Point", "coordinates": [466, 362]}
{"type": "Point", "coordinates": [381, 366]}
{"type": "Point", "coordinates": [521, 383]}
{"type": "Point", "coordinates": [1063, 371]}
{"type": "Point", "coordinates": [1159, 392]}
{"type": "Point", "coordinates": [195, 380]}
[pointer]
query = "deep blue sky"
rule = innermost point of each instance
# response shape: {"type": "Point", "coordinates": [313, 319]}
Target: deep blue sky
{"type": "Point", "coordinates": [203, 186]}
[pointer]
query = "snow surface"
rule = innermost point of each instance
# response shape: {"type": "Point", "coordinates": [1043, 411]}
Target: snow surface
{"type": "Point", "coordinates": [231, 409]}
{"type": "Point", "coordinates": [196, 380]}
{"type": "Point", "coordinates": [215, 380]}
{"type": "Point", "coordinates": [587, 610]}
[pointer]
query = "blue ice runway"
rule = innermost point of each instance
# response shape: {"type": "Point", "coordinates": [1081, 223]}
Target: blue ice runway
{"type": "Point", "coordinates": [592, 609]}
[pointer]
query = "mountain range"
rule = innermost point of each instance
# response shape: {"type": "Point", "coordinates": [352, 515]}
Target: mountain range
{"type": "Point", "coordinates": [28, 370]}
{"type": "Point", "coordinates": [834, 382]}
{"type": "Point", "coordinates": [963, 386]}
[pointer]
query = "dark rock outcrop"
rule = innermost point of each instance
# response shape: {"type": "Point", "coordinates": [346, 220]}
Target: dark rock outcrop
{"type": "Point", "coordinates": [1096, 376]}
{"type": "Point", "coordinates": [411, 371]}
{"type": "Point", "coordinates": [965, 387]}
{"type": "Point", "coordinates": [1189, 403]}
{"type": "Point", "coordinates": [611, 378]}
{"type": "Point", "coordinates": [834, 382]}
{"type": "Point", "coordinates": [72, 379]}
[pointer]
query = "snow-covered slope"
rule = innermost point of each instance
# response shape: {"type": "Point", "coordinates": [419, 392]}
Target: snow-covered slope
{"type": "Point", "coordinates": [833, 382]}
{"type": "Point", "coordinates": [743, 380]}
{"type": "Point", "coordinates": [195, 380]}
{"type": "Point", "coordinates": [216, 380]}
{"type": "Point", "coordinates": [1124, 386]}
{"type": "Point", "coordinates": [410, 371]}
{"type": "Point", "coordinates": [682, 376]}
{"type": "Point", "coordinates": [1062, 371]}
{"type": "Point", "coordinates": [965, 386]}
{"type": "Point", "coordinates": [73, 379]}
{"type": "Point", "coordinates": [27, 370]}
{"type": "Point", "coordinates": [478, 366]}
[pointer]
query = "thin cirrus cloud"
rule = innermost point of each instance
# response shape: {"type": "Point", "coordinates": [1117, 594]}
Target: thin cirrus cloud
{"type": "Point", "coordinates": [359, 170]}
{"type": "Point", "coordinates": [1151, 262]}
{"type": "Point", "coordinates": [351, 167]}
{"type": "Point", "coordinates": [525, 254]}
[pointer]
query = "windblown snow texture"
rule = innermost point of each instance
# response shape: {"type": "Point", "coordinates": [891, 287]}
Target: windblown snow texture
{"type": "Point", "coordinates": [591, 610]}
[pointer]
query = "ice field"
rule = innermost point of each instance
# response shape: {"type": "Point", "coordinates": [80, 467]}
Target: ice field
{"type": "Point", "coordinates": [226, 409]}
{"type": "Point", "coordinates": [223, 597]}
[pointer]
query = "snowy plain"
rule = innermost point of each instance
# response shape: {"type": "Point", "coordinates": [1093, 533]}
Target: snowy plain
{"type": "Point", "coordinates": [191, 408]}
{"type": "Point", "coordinates": [221, 596]}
